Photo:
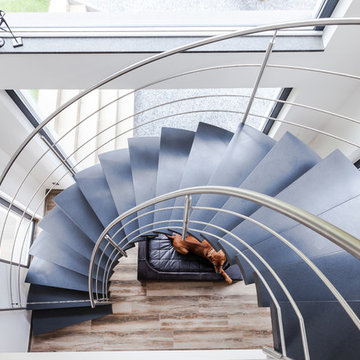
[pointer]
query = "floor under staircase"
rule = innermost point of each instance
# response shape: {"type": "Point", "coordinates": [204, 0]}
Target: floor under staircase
{"type": "Point", "coordinates": [167, 316]}
{"type": "Point", "coordinates": [151, 166]}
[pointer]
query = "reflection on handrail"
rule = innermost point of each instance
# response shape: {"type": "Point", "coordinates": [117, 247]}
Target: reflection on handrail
{"type": "Point", "coordinates": [168, 53]}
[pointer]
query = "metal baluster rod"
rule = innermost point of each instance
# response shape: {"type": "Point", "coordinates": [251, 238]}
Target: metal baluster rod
{"type": "Point", "coordinates": [113, 243]}
{"type": "Point", "coordinates": [72, 171]}
{"type": "Point", "coordinates": [259, 77]}
{"type": "Point", "coordinates": [186, 216]}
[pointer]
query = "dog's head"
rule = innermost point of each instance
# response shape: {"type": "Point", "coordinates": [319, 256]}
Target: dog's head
{"type": "Point", "coordinates": [218, 259]}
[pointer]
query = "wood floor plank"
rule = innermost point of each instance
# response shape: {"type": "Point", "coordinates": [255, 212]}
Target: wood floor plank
{"type": "Point", "coordinates": [167, 316]}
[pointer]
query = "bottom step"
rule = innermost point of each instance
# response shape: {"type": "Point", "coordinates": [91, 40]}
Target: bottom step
{"type": "Point", "coordinates": [44, 321]}
{"type": "Point", "coordinates": [46, 297]}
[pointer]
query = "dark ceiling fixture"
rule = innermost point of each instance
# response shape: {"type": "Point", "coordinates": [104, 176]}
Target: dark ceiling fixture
{"type": "Point", "coordinates": [5, 27]}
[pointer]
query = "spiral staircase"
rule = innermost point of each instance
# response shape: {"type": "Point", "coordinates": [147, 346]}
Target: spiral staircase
{"type": "Point", "coordinates": [151, 166]}
{"type": "Point", "coordinates": [285, 216]}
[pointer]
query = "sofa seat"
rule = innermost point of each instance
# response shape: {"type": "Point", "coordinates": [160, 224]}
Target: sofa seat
{"type": "Point", "coordinates": [158, 260]}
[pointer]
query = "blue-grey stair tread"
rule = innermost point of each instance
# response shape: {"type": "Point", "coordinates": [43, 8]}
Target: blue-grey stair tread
{"type": "Point", "coordinates": [247, 270]}
{"type": "Point", "coordinates": [93, 185]}
{"type": "Point", "coordinates": [42, 272]}
{"type": "Point", "coordinates": [226, 248]}
{"type": "Point", "coordinates": [305, 285]}
{"type": "Point", "coordinates": [209, 146]}
{"type": "Point", "coordinates": [284, 163]}
{"type": "Point", "coordinates": [47, 297]}
{"type": "Point", "coordinates": [332, 181]}
{"type": "Point", "coordinates": [49, 248]}
{"type": "Point", "coordinates": [245, 150]}
{"type": "Point", "coordinates": [331, 334]}
{"type": "Point", "coordinates": [57, 223]}
{"type": "Point", "coordinates": [73, 203]}
{"type": "Point", "coordinates": [175, 146]}
{"type": "Point", "coordinates": [345, 216]}
{"type": "Point", "coordinates": [44, 321]}
{"type": "Point", "coordinates": [117, 169]}
{"type": "Point", "coordinates": [144, 158]}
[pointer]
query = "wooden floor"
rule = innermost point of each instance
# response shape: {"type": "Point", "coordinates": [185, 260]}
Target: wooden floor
{"type": "Point", "coordinates": [166, 316]}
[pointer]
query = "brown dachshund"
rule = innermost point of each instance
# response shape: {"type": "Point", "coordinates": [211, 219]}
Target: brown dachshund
{"type": "Point", "coordinates": [204, 249]}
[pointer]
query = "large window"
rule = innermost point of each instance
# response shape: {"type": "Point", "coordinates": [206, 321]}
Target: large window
{"type": "Point", "coordinates": [16, 237]}
{"type": "Point", "coordinates": [155, 14]}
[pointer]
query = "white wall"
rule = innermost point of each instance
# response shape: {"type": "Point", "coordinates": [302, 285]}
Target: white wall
{"type": "Point", "coordinates": [18, 292]}
{"type": "Point", "coordinates": [332, 93]}
{"type": "Point", "coordinates": [14, 130]}
{"type": "Point", "coordinates": [14, 324]}
{"type": "Point", "coordinates": [15, 331]}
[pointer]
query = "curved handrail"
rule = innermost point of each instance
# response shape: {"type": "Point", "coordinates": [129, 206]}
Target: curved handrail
{"type": "Point", "coordinates": [316, 224]}
{"type": "Point", "coordinates": [165, 54]}
{"type": "Point", "coordinates": [148, 122]}
{"type": "Point", "coordinates": [298, 252]}
{"type": "Point", "coordinates": [348, 21]}
{"type": "Point", "coordinates": [341, 238]}
{"type": "Point", "coordinates": [268, 288]}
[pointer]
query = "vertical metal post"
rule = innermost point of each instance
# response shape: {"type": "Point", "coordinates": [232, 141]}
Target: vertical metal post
{"type": "Point", "coordinates": [258, 79]}
{"type": "Point", "coordinates": [187, 209]}
{"type": "Point", "coordinates": [72, 171]}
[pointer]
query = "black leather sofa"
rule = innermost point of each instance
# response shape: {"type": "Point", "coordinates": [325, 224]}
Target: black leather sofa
{"type": "Point", "coordinates": [158, 260]}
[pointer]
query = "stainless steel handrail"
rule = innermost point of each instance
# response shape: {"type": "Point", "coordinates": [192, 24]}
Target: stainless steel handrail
{"type": "Point", "coordinates": [123, 227]}
{"type": "Point", "coordinates": [318, 272]}
{"type": "Point", "coordinates": [305, 258]}
{"type": "Point", "coordinates": [197, 97]}
{"type": "Point", "coordinates": [171, 102]}
{"type": "Point", "coordinates": [211, 40]}
{"type": "Point", "coordinates": [196, 71]}
{"type": "Point", "coordinates": [352, 21]}
{"type": "Point", "coordinates": [278, 280]}
{"type": "Point", "coordinates": [259, 77]}
{"type": "Point", "coordinates": [157, 119]}
{"type": "Point", "coordinates": [341, 238]}
{"type": "Point", "coordinates": [268, 288]}
{"type": "Point", "coordinates": [322, 228]}
{"type": "Point", "coordinates": [165, 54]}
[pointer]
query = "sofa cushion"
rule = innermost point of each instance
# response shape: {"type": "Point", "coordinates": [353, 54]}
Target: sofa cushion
{"type": "Point", "coordinates": [163, 257]}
